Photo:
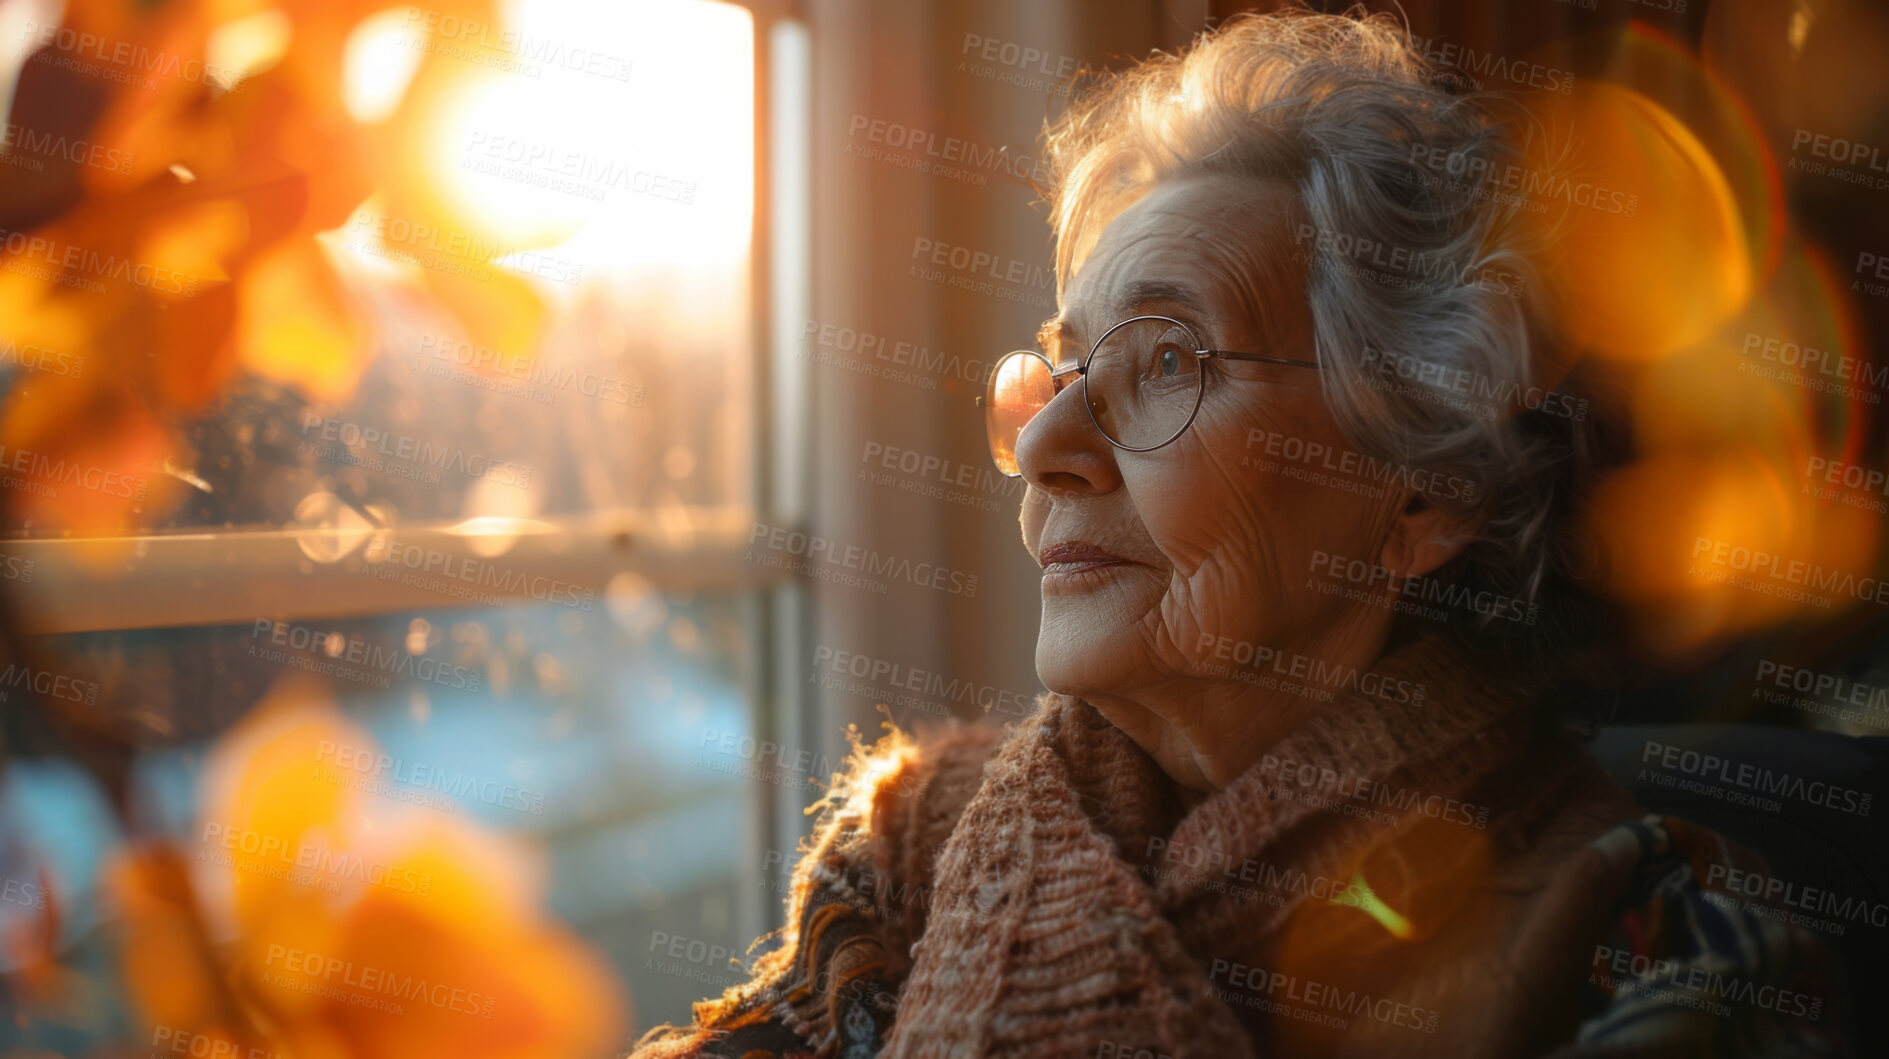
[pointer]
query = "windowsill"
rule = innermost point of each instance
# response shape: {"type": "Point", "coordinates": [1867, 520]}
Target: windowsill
{"type": "Point", "coordinates": [225, 577]}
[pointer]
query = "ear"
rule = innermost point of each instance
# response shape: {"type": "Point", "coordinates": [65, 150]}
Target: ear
{"type": "Point", "coordinates": [1424, 536]}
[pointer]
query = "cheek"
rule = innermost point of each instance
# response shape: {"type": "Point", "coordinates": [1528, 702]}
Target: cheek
{"type": "Point", "coordinates": [1235, 501]}
{"type": "Point", "coordinates": [1195, 515]}
{"type": "Point", "coordinates": [1205, 501]}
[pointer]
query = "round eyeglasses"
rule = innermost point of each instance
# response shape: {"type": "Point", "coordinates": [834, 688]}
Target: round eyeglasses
{"type": "Point", "coordinates": [1142, 383]}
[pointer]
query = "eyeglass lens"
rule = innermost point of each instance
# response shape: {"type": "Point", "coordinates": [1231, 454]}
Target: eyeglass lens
{"type": "Point", "coordinates": [1142, 386]}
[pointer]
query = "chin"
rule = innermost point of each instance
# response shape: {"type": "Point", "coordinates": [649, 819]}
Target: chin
{"type": "Point", "coordinates": [1093, 641]}
{"type": "Point", "coordinates": [1074, 657]}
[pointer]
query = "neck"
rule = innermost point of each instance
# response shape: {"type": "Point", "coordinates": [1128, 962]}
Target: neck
{"type": "Point", "coordinates": [1210, 723]}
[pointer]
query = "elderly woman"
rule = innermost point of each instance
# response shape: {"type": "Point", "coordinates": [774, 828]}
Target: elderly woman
{"type": "Point", "coordinates": [1296, 788]}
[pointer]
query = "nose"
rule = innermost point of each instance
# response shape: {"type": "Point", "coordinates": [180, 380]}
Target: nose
{"type": "Point", "coordinates": [1061, 452]}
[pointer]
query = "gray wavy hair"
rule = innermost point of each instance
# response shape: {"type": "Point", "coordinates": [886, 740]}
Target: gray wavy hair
{"type": "Point", "coordinates": [1430, 316]}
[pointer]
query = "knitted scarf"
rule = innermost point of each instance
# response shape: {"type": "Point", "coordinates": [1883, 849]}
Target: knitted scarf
{"type": "Point", "coordinates": [1063, 925]}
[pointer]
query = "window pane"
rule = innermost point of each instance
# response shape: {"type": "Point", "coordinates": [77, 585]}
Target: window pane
{"type": "Point", "coordinates": [582, 732]}
{"type": "Point", "coordinates": [550, 297]}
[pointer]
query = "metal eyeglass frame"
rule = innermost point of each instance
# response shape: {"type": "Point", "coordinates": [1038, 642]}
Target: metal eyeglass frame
{"type": "Point", "coordinates": [1082, 368]}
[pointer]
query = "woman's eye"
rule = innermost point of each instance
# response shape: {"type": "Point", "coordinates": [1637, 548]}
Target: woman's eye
{"type": "Point", "coordinates": [1169, 362]}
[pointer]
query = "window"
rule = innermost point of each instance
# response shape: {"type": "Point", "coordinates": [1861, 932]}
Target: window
{"type": "Point", "coordinates": [506, 544]}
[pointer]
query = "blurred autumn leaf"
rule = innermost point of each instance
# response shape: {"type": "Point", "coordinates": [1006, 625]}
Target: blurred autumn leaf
{"type": "Point", "coordinates": [182, 246]}
{"type": "Point", "coordinates": [349, 924]}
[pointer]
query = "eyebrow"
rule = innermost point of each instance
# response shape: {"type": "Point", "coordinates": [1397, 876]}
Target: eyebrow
{"type": "Point", "coordinates": [1130, 300]}
{"type": "Point", "coordinates": [1139, 293]}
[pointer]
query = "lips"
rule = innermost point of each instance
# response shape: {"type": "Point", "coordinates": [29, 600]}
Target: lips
{"type": "Point", "coordinates": [1072, 556]}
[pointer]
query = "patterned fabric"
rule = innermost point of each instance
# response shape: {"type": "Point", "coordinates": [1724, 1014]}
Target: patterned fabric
{"type": "Point", "coordinates": [832, 1000]}
{"type": "Point", "coordinates": [1694, 969]}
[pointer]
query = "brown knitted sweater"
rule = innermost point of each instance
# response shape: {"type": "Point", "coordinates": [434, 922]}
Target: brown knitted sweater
{"type": "Point", "coordinates": [1387, 880]}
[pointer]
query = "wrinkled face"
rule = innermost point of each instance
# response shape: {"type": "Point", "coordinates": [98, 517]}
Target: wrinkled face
{"type": "Point", "coordinates": [1207, 544]}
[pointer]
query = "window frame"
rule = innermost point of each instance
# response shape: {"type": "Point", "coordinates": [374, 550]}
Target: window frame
{"type": "Point", "coordinates": [226, 577]}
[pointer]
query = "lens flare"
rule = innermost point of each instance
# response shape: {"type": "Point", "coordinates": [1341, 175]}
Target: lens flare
{"type": "Point", "coordinates": [1649, 247]}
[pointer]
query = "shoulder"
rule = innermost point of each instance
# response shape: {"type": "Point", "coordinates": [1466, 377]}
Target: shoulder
{"type": "Point", "coordinates": [1581, 923]}
{"type": "Point", "coordinates": [902, 797]}
{"type": "Point", "coordinates": [858, 900]}
{"type": "Point", "coordinates": [884, 820]}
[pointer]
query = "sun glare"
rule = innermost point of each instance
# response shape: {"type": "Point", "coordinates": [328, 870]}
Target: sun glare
{"type": "Point", "coordinates": [620, 135]}
{"type": "Point", "coordinates": [377, 66]}
{"type": "Point", "coordinates": [640, 143]}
